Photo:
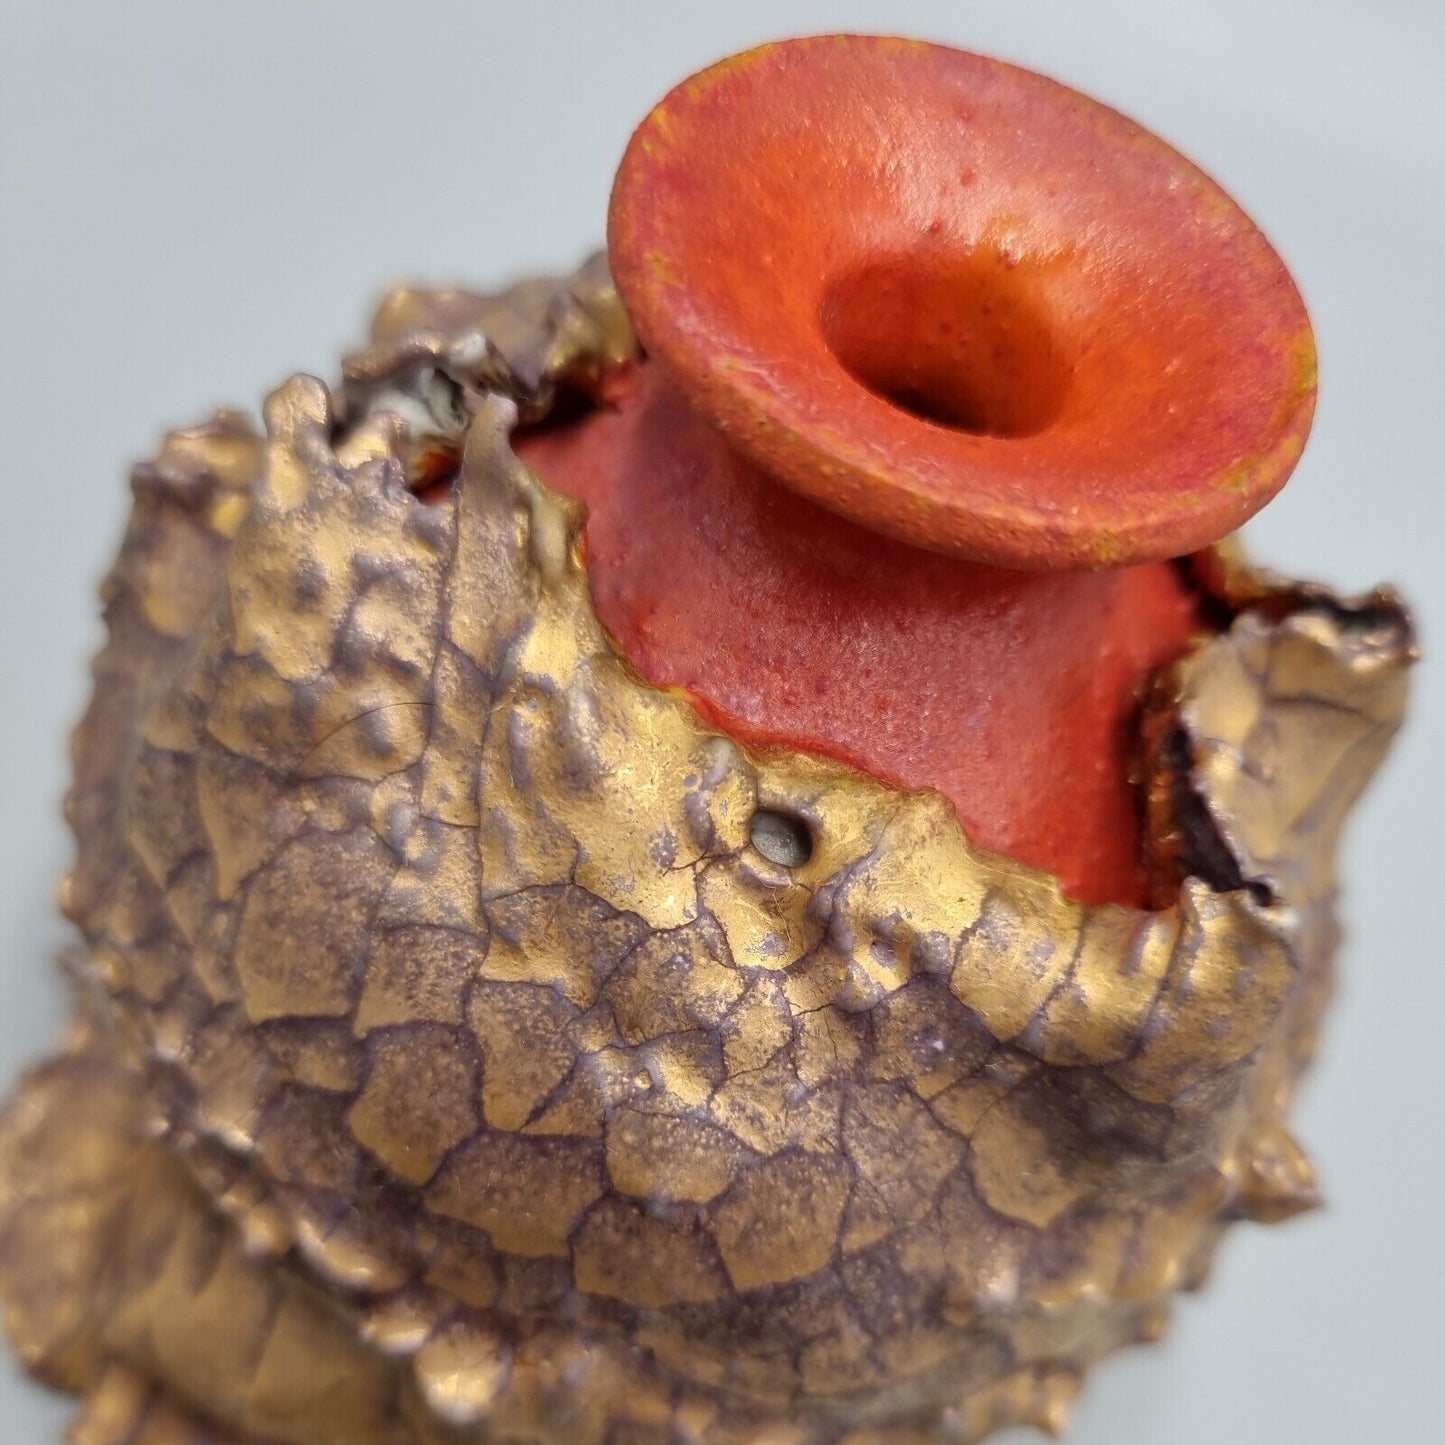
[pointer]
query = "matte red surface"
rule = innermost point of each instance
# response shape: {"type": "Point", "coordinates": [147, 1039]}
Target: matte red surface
{"type": "Point", "coordinates": [914, 317]}
{"type": "Point", "coordinates": [961, 304]}
{"type": "Point", "coordinates": [1011, 693]}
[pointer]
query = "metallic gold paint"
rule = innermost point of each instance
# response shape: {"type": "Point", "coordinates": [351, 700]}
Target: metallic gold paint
{"type": "Point", "coordinates": [448, 1067]}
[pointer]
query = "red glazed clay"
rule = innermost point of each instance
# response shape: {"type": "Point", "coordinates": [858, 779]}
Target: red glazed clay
{"type": "Point", "coordinates": [1012, 693]}
{"type": "Point", "coordinates": [826, 238]}
{"type": "Point", "coordinates": [1001, 335]}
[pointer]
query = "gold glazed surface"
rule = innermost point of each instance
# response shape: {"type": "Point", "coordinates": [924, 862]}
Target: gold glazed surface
{"type": "Point", "coordinates": [448, 1066]}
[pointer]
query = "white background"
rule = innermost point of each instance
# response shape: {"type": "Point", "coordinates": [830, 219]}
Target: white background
{"type": "Point", "coordinates": [198, 199]}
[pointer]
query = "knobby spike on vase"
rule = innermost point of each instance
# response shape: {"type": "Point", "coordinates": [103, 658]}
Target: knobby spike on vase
{"type": "Point", "coordinates": [726, 855]}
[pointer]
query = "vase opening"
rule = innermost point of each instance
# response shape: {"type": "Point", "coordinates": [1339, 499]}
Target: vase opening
{"type": "Point", "coordinates": [962, 341]}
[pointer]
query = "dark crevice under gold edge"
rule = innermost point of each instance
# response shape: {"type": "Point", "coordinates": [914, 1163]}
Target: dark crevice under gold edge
{"type": "Point", "coordinates": [447, 1067]}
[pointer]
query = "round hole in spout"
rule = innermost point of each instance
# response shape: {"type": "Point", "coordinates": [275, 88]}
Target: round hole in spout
{"type": "Point", "coordinates": [782, 838]}
{"type": "Point", "coordinates": [957, 341]}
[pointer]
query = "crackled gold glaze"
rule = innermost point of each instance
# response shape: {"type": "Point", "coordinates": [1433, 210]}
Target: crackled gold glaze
{"type": "Point", "coordinates": [450, 1067]}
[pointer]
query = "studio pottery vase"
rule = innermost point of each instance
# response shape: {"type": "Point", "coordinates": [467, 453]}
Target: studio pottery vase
{"type": "Point", "coordinates": [723, 850]}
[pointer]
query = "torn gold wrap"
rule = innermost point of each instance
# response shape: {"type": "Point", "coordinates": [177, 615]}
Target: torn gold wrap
{"type": "Point", "coordinates": [448, 1065]}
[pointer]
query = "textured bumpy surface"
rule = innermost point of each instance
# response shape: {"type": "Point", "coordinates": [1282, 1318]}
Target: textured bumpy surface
{"type": "Point", "coordinates": [449, 1066]}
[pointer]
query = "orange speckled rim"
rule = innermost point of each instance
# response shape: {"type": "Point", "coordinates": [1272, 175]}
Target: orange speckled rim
{"type": "Point", "coordinates": [962, 304]}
